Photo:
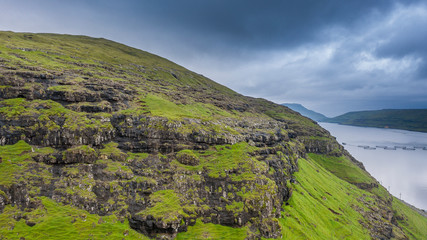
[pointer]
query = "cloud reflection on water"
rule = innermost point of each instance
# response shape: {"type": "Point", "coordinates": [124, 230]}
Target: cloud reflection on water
{"type": "Point", "coordinates": [402, 171]}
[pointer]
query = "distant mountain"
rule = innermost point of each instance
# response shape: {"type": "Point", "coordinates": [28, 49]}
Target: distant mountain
{"type": "Point", "coordinates": [406, 119]}
{"type": "Point", "coordinates": [306, 112]}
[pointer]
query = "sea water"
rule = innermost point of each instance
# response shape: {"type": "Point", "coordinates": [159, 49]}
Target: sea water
{"type": "Point", "coordinates": [396, 158]}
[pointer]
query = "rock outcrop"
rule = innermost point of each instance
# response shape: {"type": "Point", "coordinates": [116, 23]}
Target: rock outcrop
{"type": "Point", "coordinates": [111, 162]}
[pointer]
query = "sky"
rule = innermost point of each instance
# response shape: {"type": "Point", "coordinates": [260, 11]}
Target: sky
{"type": "Point", "coordinates": [332, 56]}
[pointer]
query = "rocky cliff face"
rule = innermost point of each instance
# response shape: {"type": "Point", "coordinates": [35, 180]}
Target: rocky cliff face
{"type": "Point", "coordinates": [105, 160]}
{"type": "Point", "coordinates": [159, 146]}
{"type": "Point", "coordinates": [115, 164]}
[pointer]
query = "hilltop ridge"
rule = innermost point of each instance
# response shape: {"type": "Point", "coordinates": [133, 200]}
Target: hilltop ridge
{"type": "Point", "coordinates": [100, 139]}
{"type": "Point", "coordinates": [318, 117]}
{"type": "Point", "coordinates": [405, 119]}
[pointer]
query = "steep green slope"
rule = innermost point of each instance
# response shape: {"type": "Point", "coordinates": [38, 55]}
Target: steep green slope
{"type": "Point", "coordinates": [322, 206]}
{"type": "Point", "coordinates": [411, 222]}
{"type": "Point", "coordinates": [406, 119]}
{"type": "Point", "coordinates": [371, 200]}
{"type": "Point", "coordinates": [99, 140]}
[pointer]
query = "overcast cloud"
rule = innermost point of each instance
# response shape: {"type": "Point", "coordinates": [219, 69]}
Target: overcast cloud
{"type": "Point", "coordinates": [332, 56]}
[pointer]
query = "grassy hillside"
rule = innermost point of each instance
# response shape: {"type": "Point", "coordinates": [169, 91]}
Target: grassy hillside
{"type": "Point", "coordinates": [324, 206]}
{"type": "Point", "coordinates": [412, 223]}
{"type": "Point", "coordinates": [52, 220]}
{"type": "Point", "coordinates": [157, 86]}
{"type": "Point", "coordinates": [100, 140]}
{"type": "Point", "coordinates": [406, 119]}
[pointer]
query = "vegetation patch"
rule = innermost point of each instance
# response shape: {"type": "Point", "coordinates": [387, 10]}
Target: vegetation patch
{"type": "Point", "coordinates": [212, 231]}
{"type": "Point", "coordinates": [67, 88]}
{"type": "Point", "coordinates": [110, 151]}
{"type": "Point", "coordinates": [16, 107]}
{"type": "Point", "coordinates": [119, 169]}
{"type": "Point", "coordinates": [411, 222]}
{"type": "Point", "coordinates": [165, 205]}
{"type": "Point", "coordinates": [343, 168]}
{"type": "Point", "coordinates": [308, 215]}
{"type": "Point", "coordinates": [52, 220]}
{"type": "Point", "coordinates": [159, 106]}
{"type": "Point", "coordinates": [136, 156]}
{"type": "Point", "coordinates": [187, 157]}
{"type": "Point", "coordinates": [48, 113]}
{"type": "Point", "coordinates": [13, 159]}
{"type": "Point", "coordinates": [228, 160]}
{"type": "Point", "coordinates": [407, 119]}
{"type": "Point", "coordinates": [80, 154]}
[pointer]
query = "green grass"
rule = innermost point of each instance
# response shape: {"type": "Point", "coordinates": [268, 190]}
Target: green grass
{"type": "Point", "coordinates": [381, 192]}
{"type": "Point", "coordinates": [323, 203]}
{"type": "Point", "coordinates": [110, 148]}
{"type": "Point", "coordinates": [85, 150]}
{"type": "Point", "coordinates": [321, 206]}
{"type": "Point", "coordinates": [317, 138]}
{"type": "Point", "coordinates": [45, 150]}
{"type": "Point", "coordinates": [111, 151]}
{"type": "Point", "coordinates": [233, 162]}
{"type": "Point", "coordinates": [66, 88]}
{"type": "Point", "coordinates": [16, 107]}
{"type": "Point", "coordinates": [282, 113]}
{"type": "Point", "coordinates": [113, 167]}
{"type": "Point", "coordinates": [187, 156]}
{"type": "Point", "coordinates": [56, 221]}
{"type": "Point", "coordinates": [13, 161]}
{"type": "Point", "coordinates": [17, 167]}
{"type": "Point", "coordinates": [136, 156]}
{"type": "Point", "coordinates": [155, 80]}
{"type": "Point", "coordinates": [94, 55]}
{"type": "Point", "coordinates": [46, 111]}
{"type": "Point", "coordinates": [226, 158]}
{"type": "Point", "coordinates": [186, 152]}
{"type": "Point", "coordinates": [413, 224]}
{"type": "Point", "coordinates": [160, 106]}
{"type": "Point", "coordinates": [165, 205]}
{"type": "Point", "coordinates": [48, 54]}
{"type": "Point", "coordinates": [343, 168]}
{"type": "Point", "coordinates": [212, 231]}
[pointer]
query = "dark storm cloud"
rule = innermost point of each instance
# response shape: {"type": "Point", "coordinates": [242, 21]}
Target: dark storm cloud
{"type": "Point", "coordinates": [408, 38]}
{"type": "Point", "coordinates": [258, 24]}
{"type": "Point", "coordinates": [333, 56]}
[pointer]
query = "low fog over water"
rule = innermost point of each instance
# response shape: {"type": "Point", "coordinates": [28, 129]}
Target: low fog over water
{"type": "Point", "coordinates": [396, 158]}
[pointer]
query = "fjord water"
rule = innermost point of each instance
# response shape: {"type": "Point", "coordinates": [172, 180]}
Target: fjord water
{"type": "Point", "coordinates": [403, 172]}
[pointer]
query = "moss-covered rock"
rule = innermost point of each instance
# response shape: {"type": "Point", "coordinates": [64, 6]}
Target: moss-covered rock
{"type": "Point", "coordinates": [79, 154]}
{"type": "Point", "coordinates": [187, 157]}
{"type": "Point", "coordinates": [110, 151]}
